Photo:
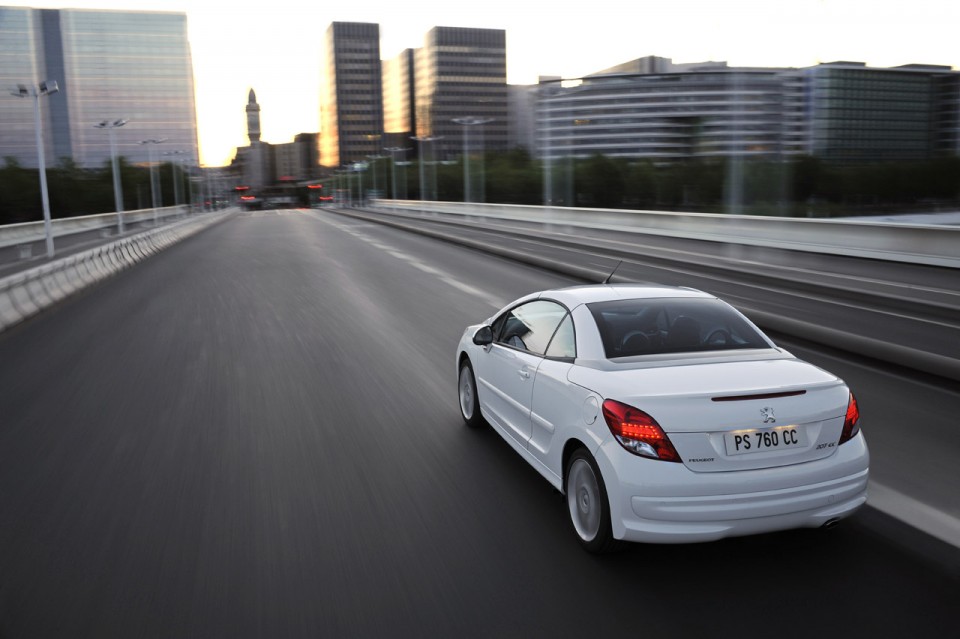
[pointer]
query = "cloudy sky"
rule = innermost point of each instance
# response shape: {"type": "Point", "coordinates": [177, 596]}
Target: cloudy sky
{"type": "Point", "coordinates": [275, 46]}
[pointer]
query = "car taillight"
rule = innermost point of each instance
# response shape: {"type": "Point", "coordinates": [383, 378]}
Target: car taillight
{"type": "Point", "coordinates": [638, 432]}
{"type": "Point", "coordinates": [851, 424]}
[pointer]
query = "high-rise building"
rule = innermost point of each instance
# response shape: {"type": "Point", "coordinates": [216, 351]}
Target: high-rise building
{"type": "Point", "coordinates": [462, 73]}
{"type": "Point", "coordinates": [109, 65]}
{"type": "Point", "coordinates": [351, 99]}
{"type": "Point", "coordinates": [399, 105]}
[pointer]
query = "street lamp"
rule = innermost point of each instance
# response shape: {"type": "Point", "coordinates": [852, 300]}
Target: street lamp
{"type": "Point", "coordinates": [421, 139]}
{"type": "Point", "coordinates": [153, 180]}
{"type": "Point", "coordinates": [48, 87]}
{"type": "Point", "coordinates": [468, 122]}
{"type": "Point", "coordinates": [117, 183]}
{"type": "Point", "coordinates": [376, 162]}
{"type": "Point", "coordinates": [393, 167]}
{"type": "Point", "coordinates": [176, 177]}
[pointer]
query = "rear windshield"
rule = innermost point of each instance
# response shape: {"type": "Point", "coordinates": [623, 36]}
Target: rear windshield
{"type": "Point", "coordinates": [672, 325]}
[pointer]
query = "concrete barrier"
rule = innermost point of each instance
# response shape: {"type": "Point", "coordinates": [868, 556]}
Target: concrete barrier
{"type": "Point", "coordinates": [25, 294]}
{"type": "Point", "coordinates": [911, 243]}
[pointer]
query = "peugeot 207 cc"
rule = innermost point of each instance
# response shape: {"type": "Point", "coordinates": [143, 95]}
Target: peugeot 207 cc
{"type": "Point", "coordinates": [663, 415]}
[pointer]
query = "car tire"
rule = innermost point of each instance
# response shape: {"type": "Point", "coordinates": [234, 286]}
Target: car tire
{"type": "Point", "coordinates": [467, 395]}
{"type": "Point", "coordinates": [587, 504]}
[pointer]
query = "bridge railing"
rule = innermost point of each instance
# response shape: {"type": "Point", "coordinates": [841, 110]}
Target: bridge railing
{"type": "Point", "coordinates": [912, 243]}
{"type": "Point", "coordinates": [26, 232]}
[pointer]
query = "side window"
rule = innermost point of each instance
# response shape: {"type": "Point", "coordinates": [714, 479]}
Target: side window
{"type": "Point", "coordinates": [530, 326]}
{"type": "Point", "coordinates": [564, 343]}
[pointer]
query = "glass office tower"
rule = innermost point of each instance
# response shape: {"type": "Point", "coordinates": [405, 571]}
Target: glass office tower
{"type": "Point", "coordinates": [351, 99]}
{"type": "Point", "coordinates": [462, 72]}
{"type": "Point", "coordinates": [109, 65]}
{"type": "Point", "coordinates": [863, 114]}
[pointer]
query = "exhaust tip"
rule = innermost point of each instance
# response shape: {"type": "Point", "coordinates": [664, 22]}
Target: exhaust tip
{"type": "Point", "coordinates": [830, 523]}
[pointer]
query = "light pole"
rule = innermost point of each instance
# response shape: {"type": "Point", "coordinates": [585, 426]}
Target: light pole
{"type": "Point", "coordinates": [421, 139]}
{"type": "Point", "coordinates": [468, 122]}
{"type": "Point", "coordinates": [48, 87]}
{"type": "Point", "coordinates": [393, 167]}
{"type": "Point", "coordinates": [190, 203]}
{"type": "Point", "coordinates": [376, 162]}
{"type": "Point", "coordinates": [117, 183]}
{"type": "Point", "coordinates": [176, 177]}
{"type": "Point", "coordinates": [153, 181]}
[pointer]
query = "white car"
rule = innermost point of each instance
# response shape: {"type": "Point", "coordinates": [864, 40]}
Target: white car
{"type": "Point", "coordinates": [664, 415]}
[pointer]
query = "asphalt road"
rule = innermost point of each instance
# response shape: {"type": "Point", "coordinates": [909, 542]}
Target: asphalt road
{"type": "Point", "coordinates": [255, 434]}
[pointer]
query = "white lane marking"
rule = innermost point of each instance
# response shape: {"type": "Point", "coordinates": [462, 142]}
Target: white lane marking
{"type": "Point", "coordinates": [414, 262]}
{"type": "Point", "coordinates": [935, 523]}
{"type": "Point", "coordinates": [427, 269]}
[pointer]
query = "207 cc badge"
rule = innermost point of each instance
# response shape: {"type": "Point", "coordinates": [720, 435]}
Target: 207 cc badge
{"type": "Point", "coordinates": [767, 414]}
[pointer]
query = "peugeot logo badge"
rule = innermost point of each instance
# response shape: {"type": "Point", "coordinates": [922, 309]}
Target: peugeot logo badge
{"type": "Point", "coordinates": [767, 414]}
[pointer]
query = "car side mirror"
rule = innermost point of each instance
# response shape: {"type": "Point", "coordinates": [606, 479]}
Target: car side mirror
{"type": "Point", "coordinates": [483, 336]}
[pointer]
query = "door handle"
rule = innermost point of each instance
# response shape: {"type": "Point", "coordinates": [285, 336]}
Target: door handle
{"type": "Point", "coordinates": [524, 373]}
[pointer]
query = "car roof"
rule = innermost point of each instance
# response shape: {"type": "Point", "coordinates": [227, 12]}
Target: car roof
{"type": "Point", "coordinates": [587, 294]}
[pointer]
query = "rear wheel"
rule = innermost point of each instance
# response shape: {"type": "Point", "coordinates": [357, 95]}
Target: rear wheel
{"type": "Point", "coordinates": [469, 403]}
{"type": "Point", "coordinates": [588, 504]}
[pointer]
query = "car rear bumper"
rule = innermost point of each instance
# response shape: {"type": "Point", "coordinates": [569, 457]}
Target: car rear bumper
{"type": "Point", "coordinates": [662, 502]}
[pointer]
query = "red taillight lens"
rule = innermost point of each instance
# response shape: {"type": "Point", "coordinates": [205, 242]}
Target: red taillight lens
{"type": "Point", "coordinates": [851, 425]}
{"type": "Point", "coordinates": [638, 432]}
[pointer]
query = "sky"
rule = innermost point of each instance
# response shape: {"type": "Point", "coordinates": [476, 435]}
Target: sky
{"type": "Point", "coordinates": [274, 46]}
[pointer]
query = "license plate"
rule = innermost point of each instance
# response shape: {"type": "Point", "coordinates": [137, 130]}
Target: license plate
{"type": "Point", "coordinates": [760, 440]}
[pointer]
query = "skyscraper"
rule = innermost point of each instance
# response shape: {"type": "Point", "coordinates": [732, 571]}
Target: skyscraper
{"type": "Point", "coordinates": [462, 72]}
{"type": "Point", "coordinates": [399, 106]}
{"type": "Point", "coordinates": [109, 65]}
{"type": "Point", "coordinates": [351, 99]}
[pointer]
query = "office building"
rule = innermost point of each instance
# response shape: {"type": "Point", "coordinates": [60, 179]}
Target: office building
{"type": "Point", "coordinates": [862, 114]}
{"type": "Point", "coordinates": [841, 112]}
{"type": "Point", "coordinates": [462, 72]}
{"type": "Point", "coordinates": [351, 99]}
{"type": "Point", "coordinates": [399, 106]}
{"type": "Point", "coordinates": [296, 161]}
{"type": "Point", "coordinates": [109, 65]}
{"type": "Point", "coordinates": [522, 115]}
{"type": "Point", "coordinates": [652, 108]}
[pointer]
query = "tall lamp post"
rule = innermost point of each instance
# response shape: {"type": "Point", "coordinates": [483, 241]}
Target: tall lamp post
{"type": "Point", "coordinates": [117, 183]}
{"type": "Point", "coordinates": [393, 167]}
{"type": "Point", "coordinates": [176, 178]}
{"type": "Point", "coordinates": [420, 140]}
{"type": "Point", "coordinates": [468, 122]}
{"type": "Point", "coordinates": [376, 162]}
{"type": "Point", "coordinates": [153, 180]}
{"type": "Point", "coordinates": [49, 87]}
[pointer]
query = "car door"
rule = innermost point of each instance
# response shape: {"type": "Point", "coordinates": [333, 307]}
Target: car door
{"type": "Point", "coordinates": [507, 371]}
{"type": "Point", "coordinates": [555, 403]}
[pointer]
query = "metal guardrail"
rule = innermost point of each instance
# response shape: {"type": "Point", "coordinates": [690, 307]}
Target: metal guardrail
{"type": "Point", "coordinates": [22, 233]}
{"type": "Point", "coordinates": [911, 243]}
{"type": "Point", "coordinates": [934, 363]}
{"type": "Point", "coordinates": [27, 293]}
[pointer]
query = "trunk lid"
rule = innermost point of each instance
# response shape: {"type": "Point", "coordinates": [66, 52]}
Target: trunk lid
{"type": "Point", "coordinates": [732, 415]}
